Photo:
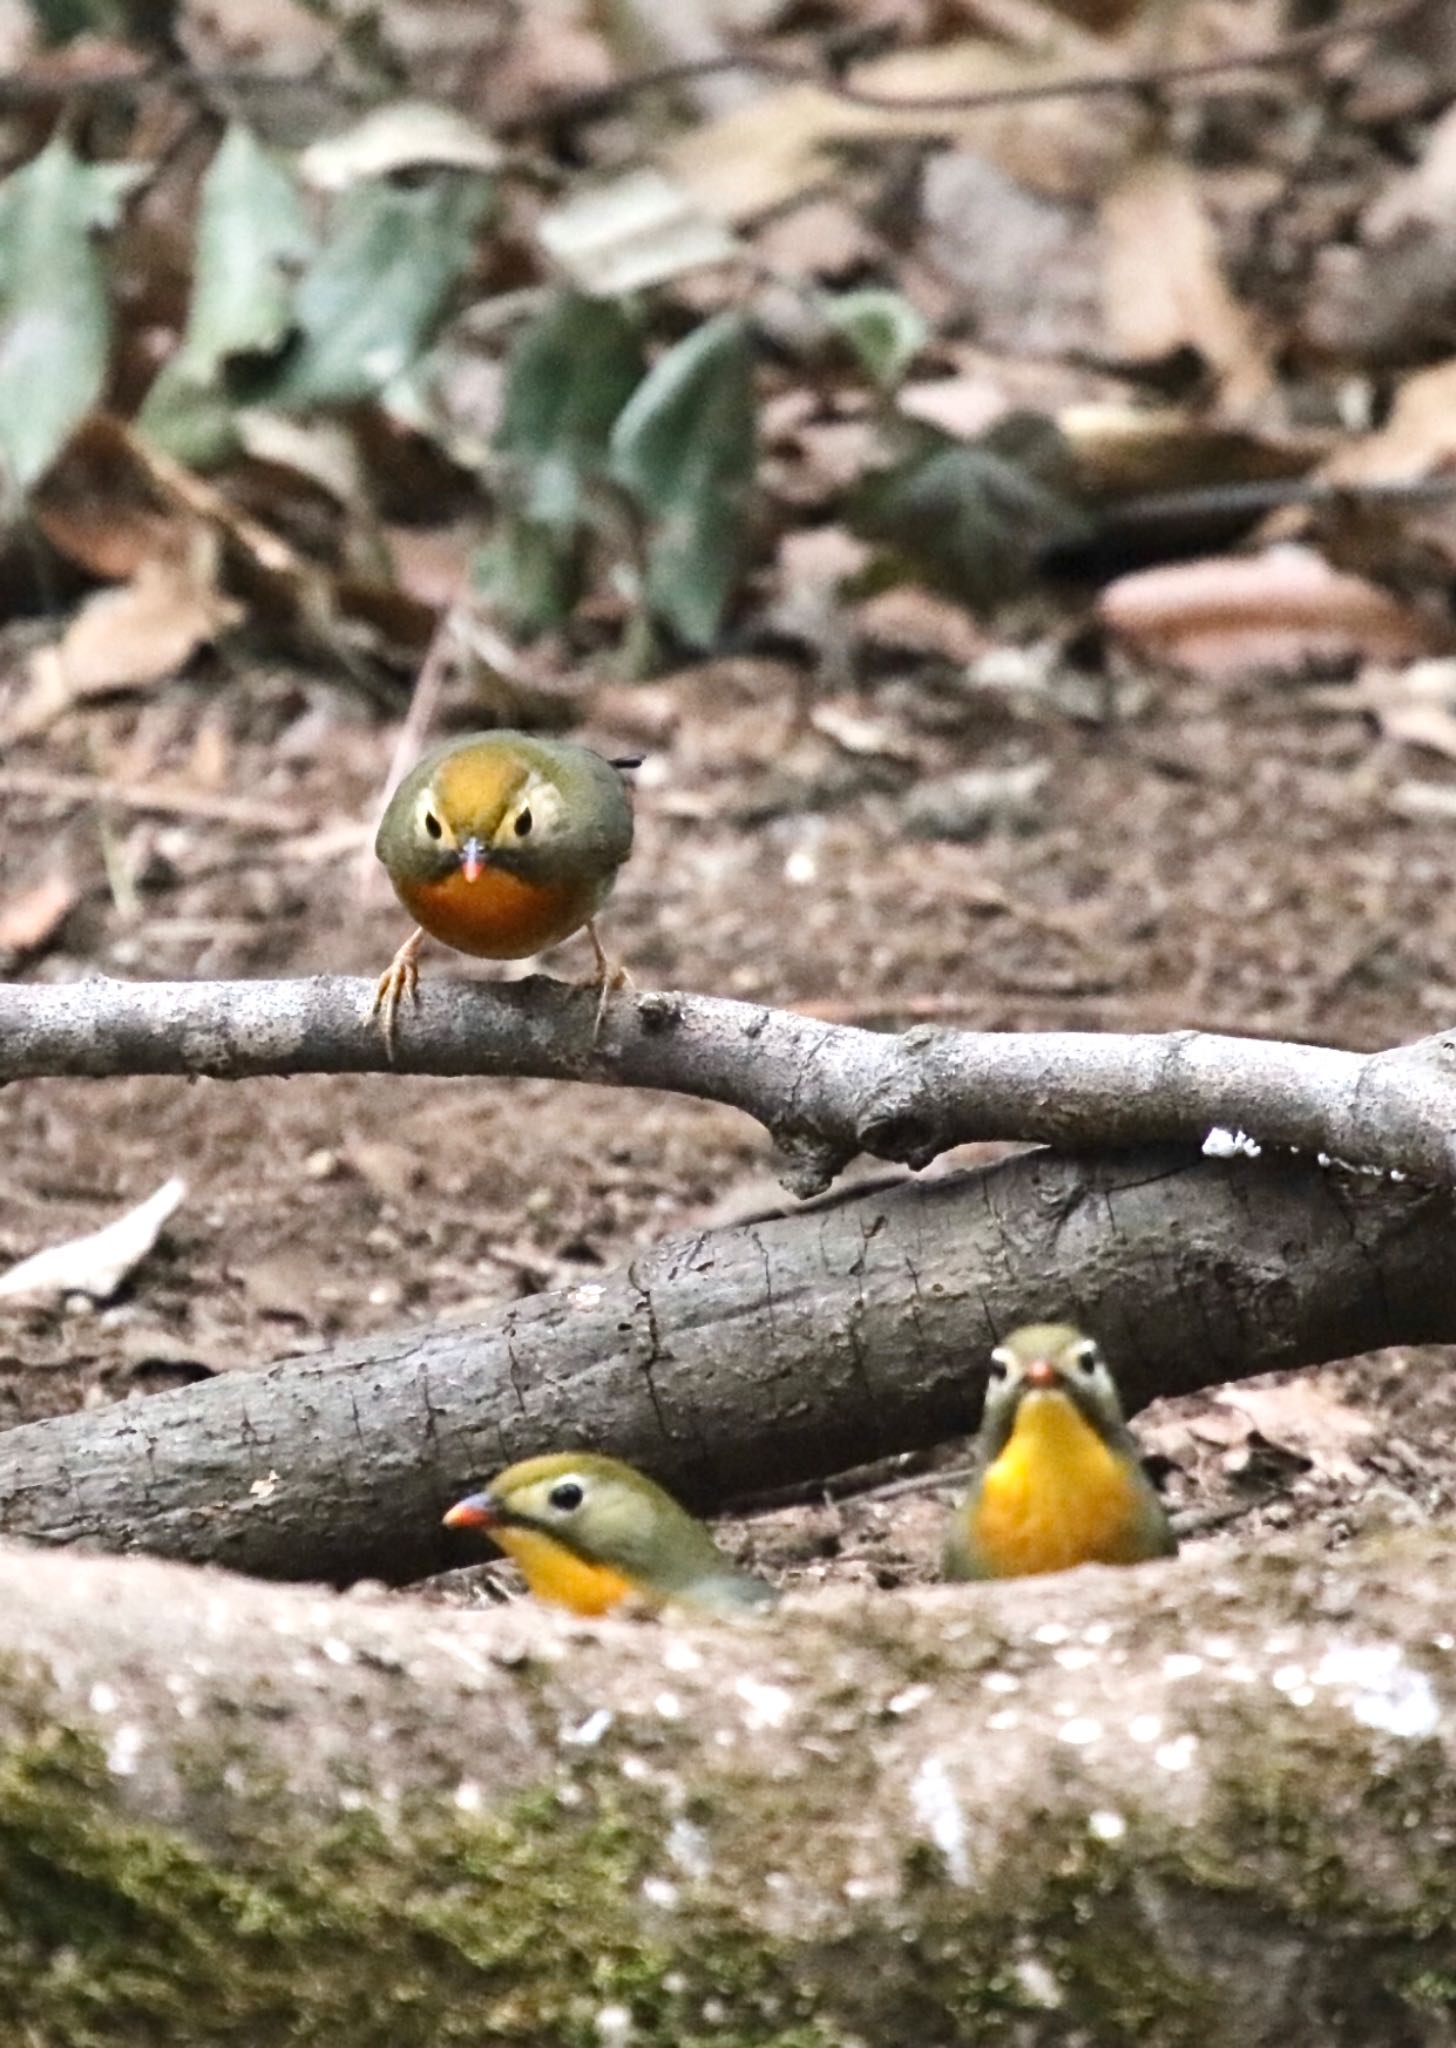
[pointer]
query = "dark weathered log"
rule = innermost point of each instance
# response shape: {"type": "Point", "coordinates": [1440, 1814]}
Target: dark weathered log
{"type": "Point", "coordinates": [742, 1359]}
{"type": "Point", "coordinates": [1189, 1804]}
{"type": "Point", "coordinates": [824, 1091]}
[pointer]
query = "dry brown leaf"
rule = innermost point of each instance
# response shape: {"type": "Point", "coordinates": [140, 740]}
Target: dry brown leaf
{"type": "Point", "coordinates": [1281, 611]}
{"type": "Point", "coordinates": [1425, 196]}
{"type": "Point", "coordinates": [1417, 440]}
{"type": "Point", "coordinates": [911, 619]}
{"type": "Point", "coordinates": [1025, 265]}
{"type": "Point", "coordinates": [1163, 287]}
{"type": "Point", "coordinates": [1303, 1418]}
{"type": "Point", "coordinates": [104, 508]}
{"type": "Point", "coordinates": [1414, 705]}
{"type": "Point", "coordinates": [1123, 449]}
{"type": "Point", "coordinates": [824, 238]}
{"type": "Point", "coordinates": [143, 630]}
{"type": "Point", "coordinates": [29, 921]}
{"type": "Point", "coordinates": [114, 502]}
{"type": "Point", "coordinates": [781, 146]}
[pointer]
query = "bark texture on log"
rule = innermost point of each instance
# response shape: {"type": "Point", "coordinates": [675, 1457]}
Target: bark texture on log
{"type": "Point", "coordinates": [1176, 1807]}
{"type": "Point", "coordinates": [739, 1360]}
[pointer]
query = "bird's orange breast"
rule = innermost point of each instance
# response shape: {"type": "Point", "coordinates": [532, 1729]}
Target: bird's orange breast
{"type": "Point", "coordinates": [555, 1573]}
{"type": "Point", "coordinates": [1057, 1496]}
{"type": "Point", "coordinates": [498, 916]}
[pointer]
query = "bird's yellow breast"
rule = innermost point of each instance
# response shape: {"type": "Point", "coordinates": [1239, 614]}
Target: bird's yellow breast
{"type": "Point", "coordinates": [1057, 1495]}
{"type": "Point", "coordinates": [555, 1573]}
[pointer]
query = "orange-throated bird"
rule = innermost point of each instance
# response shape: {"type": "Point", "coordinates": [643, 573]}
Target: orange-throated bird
{"type": "Point", "coordinates": [1058, 1477]}
{"type": "Point", "coordinates": [501, 845]}
{"type": "Point", "coordinates": [590, 1532]}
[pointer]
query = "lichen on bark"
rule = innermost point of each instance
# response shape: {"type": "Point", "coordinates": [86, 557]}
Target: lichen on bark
{"type": "Point", "coordinates": [1175, 1807]}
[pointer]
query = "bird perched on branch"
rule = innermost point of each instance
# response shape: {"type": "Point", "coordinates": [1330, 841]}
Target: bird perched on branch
{"type": "Point", "coordinates": [590, 1532]}
{"type": "Point", "coordinates": [1059, 1480]}
{"type": "Point", "coordinates": [500, 845]}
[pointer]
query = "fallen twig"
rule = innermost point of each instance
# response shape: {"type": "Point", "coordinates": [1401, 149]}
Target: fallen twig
{"type": "Point", "coordinates": [1291, 50]}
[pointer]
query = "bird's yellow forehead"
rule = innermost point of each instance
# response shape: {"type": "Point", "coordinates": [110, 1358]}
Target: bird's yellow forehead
{"type": "Point", "coordinates": [475, 785]}
{"type": "Point", "coordinates": [536, 1471]}
{"type": "Point", "coordinates": [1042, 1340]}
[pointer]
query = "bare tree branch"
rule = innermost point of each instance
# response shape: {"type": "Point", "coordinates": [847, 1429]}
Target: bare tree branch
{"type": "Point", "coordinates": [738, 1360]}
{"type": "Point", "coordinates": [824, 1091]}
{"type": "Point", "coordinates": [1156, 1807]}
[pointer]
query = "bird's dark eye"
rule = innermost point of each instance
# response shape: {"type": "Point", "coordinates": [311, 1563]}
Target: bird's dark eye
{"type": "Point", "coordinates": [523, 823]}
{"type": "Point", "coordinates": [1000, 1365]}
{"type": "Point", "coordinates": [433, 825]}
{"type": "Point", "coordinates": [1087, 1356]}
{"type": "Point", "coordinates": [566, 1496]}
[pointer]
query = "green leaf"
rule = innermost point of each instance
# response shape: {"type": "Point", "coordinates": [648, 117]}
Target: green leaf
{"type": "Point", "coordinates": [974, 518]}
{"type": "Point", "coordinates": [55, 320]}
{"type": "Point", "coordinates": [253, 238]}
{"type": "Point", "coordinates": [571, 372]}
{"type": "Point", "coordinates": [881, 327]}
{"type": "Point", "coordinates": [684, 449]}
{"type": "Point", "coordinates": [369, 303]}
{"type": "Point", "coordinates": [533, 571]}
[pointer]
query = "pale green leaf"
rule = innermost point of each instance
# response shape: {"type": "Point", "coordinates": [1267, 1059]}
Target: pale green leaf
{"type": "Point", "coordinates": [571, 372]}
{"type": "Point", "coordinates": [55, 321]}
{"type": "Point", "coordinates": [370, 302]}
{"type": "Point", "coordinates": [975, 519]}
{"type": "Point", "coordinates": [253, 240]}
{"type": "Point", "coordinates": [684, 448]}
{"type": "Point", "coordinates": [881, 327]}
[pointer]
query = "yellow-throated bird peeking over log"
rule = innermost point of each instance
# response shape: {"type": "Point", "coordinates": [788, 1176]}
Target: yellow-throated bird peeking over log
{"type": "Point", "coordinates": [1058, 1481]}
{"type": "Point", "coordinates": [500, 845]}
{"type": "Point", "coordinates": [590, 1532]}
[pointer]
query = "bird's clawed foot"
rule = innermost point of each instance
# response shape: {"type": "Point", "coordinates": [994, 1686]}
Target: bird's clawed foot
{"type": "Point", "coordinates": [400, 978]}
{"type": "Point", "coordinates": [610, 976]}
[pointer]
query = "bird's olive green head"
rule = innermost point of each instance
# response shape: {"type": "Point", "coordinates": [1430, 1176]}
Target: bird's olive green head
{"type": "Point", "coordinates": [1043, 1359]}
{"type": "Point", "coordinates": [544, 810]}
{"type": "Point", "coordinates": [610, 1514]}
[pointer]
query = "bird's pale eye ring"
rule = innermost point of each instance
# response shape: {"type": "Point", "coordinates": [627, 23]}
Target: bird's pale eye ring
{"type": "Point", "coordinates": [566, 1495]}
{"type": "Point", "coordinates": [1000, 1362]}
{"type": "Point", "coordinates": [1087, 1356]}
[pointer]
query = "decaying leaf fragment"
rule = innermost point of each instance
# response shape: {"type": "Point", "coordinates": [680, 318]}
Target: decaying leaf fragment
{"type": "Point", "coordinates": [99, 1263]}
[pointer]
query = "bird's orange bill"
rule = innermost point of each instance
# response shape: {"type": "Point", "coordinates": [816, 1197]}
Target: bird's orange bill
{"type": "Point", "coordinates": [476, 1511]}
{"type": "Point", "coordinates": [472, 860]}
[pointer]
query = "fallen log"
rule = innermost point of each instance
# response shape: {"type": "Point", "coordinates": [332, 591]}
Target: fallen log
{"type": "Point", "coordinates": [738, 1360]}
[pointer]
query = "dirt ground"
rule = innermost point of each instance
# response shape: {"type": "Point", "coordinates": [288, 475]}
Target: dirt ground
{"type": "Point", "coordinates": [1227, 858]}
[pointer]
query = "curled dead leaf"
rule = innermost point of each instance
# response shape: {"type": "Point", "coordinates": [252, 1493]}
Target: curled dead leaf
{"type": "Point", "coordinates": [1280, 612]}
